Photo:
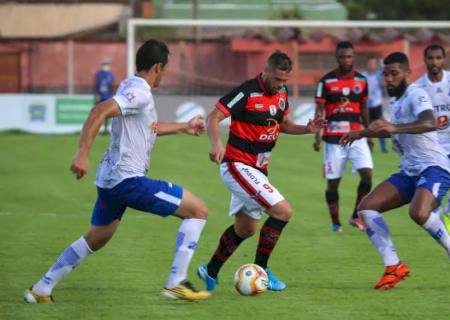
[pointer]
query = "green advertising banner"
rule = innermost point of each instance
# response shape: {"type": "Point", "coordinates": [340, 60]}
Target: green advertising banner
{"type": "Point", "coordinates": [72, 110]}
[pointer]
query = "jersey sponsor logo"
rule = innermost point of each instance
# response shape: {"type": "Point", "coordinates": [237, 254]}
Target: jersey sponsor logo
{"type": "Point", "coordinates": [130, 96]}
{"type": "Point", "coordinates": [256, 94]}
{"type": "Point", "coordinates": [259, 105]}
{"type": "Point", "coordinates": [439, 90]}
{"type": "Point", "coordinates": [339, 126]}
{"type": "Point", "coordinates": [334, 89]}
{"type": "Point", "coordinates": [357, 89]}
{"type": "Point", "coordinates": [346, 91]}
{"type": "Point", "coordinates": [441, 108]}
{"type": "Point", "coordinates": [262, 159]}
{"type": "Point", "coordinates": [422, 99]}
{"type": "Point", "coordinates": [442, 122]}
{"type": "Point", "coordinates": [331, 80]}
{"type": "Point", "coordinates": [272, 110]}
{"type": "Point", "coordinates": [249, 174]}
{"type": "Point", "coordinates": [273, 131]}
{"type": "Point", "coordinates": [235, 100]}
{"type": "Point", "coordinates": [282, 104]}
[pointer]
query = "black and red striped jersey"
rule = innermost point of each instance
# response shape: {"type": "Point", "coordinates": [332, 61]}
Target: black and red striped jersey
{"type": "Point", "coordinates": [342, 98]}
{"type": "Point", "coordinates": [256, 116]}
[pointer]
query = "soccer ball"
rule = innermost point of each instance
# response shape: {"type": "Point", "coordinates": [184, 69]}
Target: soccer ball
{"type": "Point", "coordinates": [250, 279]}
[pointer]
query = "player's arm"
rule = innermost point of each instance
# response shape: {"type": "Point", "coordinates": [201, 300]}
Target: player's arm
{"type": "Point", "coordinates": [383, 129]}
{"type": "Point", "coordinates": [217, 151]}
{"type": "Point", "coordinates": [366, 120]}
{"type": "Point", "coordinates": [318, 114]}
{"type": "Point", "coordinates": [313, 126]}
{"type": "Point", "coordinates": [92, 125]}
{"type": "Point", "coordinates": [195, 127]}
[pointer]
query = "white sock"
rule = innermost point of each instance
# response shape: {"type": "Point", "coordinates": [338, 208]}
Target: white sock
{"type": "Point", "coordinates": [378, 232]}
{"type": "Point", "coordinates": [186, 243]}
{"type": "Point", "coordinates": [67, 261]}
{"type": "Point", "coordinates": [437, 230]}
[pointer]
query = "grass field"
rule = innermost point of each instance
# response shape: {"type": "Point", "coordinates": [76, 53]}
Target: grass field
{"type": "Point", "coordinates": [329, 276]}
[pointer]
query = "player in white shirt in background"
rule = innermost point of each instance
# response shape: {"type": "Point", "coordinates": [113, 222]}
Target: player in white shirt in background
{"type": "Point", "coordinates": [424, 176]}
{"type": "Point", "coordinates": [375, 94]}
{"type": "Point", "coordinates": [121, 178]}
{"type": "Point", "coordinates": [436, 82]}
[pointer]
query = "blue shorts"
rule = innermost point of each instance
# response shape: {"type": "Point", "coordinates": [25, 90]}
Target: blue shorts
{"type": "Point", "coordinates": [435, 179]}
{"type": "Point", "coordinates": [140, 193]}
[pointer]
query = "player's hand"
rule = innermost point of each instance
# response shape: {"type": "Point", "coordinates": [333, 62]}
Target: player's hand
{"type": "Point", "coordinates": [196, 126]}
{"type": "Point", "coordinates": [315, 125]}
{"type": "Point", "coordinates": [349, 137]}
{"type": "Point", "coordinates": [316, 145]}
{"type": "Point", "coordinates": [79, 165]}
{"type": "Point", "coordinates": [217, 153]}
{"type": "Point", "coordinates": [382, 126]}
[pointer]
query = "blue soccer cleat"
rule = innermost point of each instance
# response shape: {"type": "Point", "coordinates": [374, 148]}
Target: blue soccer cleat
{"type": "Point", "coordinates": [336, 228]}
{"type": "Point", "coordinates": [202, 272]}
{"type": "Point", "coordinates": [274, 283]}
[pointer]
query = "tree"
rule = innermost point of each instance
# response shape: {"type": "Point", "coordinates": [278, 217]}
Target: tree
{"type": "Point", "coordinates": [397, 9]}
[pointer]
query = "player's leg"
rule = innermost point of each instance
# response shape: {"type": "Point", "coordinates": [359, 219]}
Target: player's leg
{"type": "Point", "coordinates": [431, 188]}
{"type": "Point", "coordinates": [104, 222]}
{"type": "Point", "coordinates": [280, 215]}
{"type": "Point", "coordinates": [332, 198]}
{"type": "Point", "coordinates": [335, 157]}
{"type": "Point", "coordinates": [244, 227]}
{"type": "Point", "coordinates": [364, 187]}
{"type": "Point", "coordinates": [390, 194]}
{"type": "Point", "coordinates": [361, 158]}
{"type": "Point", "coordinates": [194, 213]}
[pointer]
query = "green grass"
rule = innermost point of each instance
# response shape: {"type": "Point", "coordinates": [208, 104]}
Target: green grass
{"type": "Point", "coordinates": [329, 276]}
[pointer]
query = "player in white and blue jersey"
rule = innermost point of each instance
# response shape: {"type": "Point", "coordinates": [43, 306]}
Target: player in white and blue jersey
{"type": "Point", "coordinates": [436, 82]}
{"type": "Point", "coordinates": [121, 178]}
{"type": "Point", "coordinates": [424, 176]}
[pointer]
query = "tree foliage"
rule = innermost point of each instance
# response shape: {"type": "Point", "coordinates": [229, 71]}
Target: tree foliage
{"type": "Point", "coordinates": [397, 9]}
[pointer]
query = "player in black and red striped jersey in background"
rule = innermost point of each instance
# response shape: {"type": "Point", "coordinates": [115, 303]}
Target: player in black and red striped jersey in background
{"type": "Point", "coordinates": [258, 110]}
{"type": "Point", "coordinates": [340, 98]}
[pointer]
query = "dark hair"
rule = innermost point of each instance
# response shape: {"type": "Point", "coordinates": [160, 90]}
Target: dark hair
{"type": "Point", "coordinates": [344, 45]}
{"type": "Point", "coordinates": [397, 57]}
{"type": "Point", "coordinates": [151, 53]}
{"type": "Point", "coordinates": [279, 60]}
{"type": "Point", "coordinates": [433, 47]}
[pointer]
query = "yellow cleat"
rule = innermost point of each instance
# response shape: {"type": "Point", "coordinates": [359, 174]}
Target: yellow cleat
{"type": "Point", "coordinates": [31, 297]}
{"type": "Point", "coordinates": [446, 220]}
{"type": "Point", "coordinates": [185, 291]}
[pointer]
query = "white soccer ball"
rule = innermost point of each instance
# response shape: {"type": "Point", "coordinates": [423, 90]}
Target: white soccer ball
{"type": "Point", "coordinates": [250, 279]}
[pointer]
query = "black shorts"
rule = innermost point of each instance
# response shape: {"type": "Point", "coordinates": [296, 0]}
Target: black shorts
{"type": "Point", "coordinates": [375, 113]}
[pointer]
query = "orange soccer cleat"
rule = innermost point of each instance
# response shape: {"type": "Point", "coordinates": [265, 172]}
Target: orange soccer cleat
{"type": "Point", "coordinates": [392, 275]}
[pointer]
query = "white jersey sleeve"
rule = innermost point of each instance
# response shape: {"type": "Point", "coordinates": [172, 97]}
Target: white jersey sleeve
{"type": "Point", "coordinates": [132, 99]}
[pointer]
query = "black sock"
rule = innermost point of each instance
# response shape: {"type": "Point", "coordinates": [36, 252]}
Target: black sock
{"type": "Point", "coordinates": [270, 233]}
{"type": "Point", "coordinates": [228, 243]}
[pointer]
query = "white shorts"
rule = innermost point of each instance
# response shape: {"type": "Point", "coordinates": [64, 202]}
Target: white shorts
{"type": "Point", "coordinates": [251, 191]}
{"type": "Point", "coordinates": [336, 156]}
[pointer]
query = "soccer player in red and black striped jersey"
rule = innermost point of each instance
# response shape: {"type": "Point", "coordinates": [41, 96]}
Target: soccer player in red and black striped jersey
{"type": "Point", "coordinates": [258, 110]}
{"type": "Point", "coordinates": [341, 99]}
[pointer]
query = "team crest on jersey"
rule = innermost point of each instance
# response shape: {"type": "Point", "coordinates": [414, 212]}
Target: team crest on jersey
{"type": "Point", "coordinates": [282, 104]}
{"type": "Point", "coordinates": [438, 90]}
{"type": "Point", "coordinates": [357, 89]}
{"type": "Point", "coordinates": [130, 96]}
{"type": "Point", "coordinates": [442, 122]}
{"type": "Point", "coordinates": [346, 91]}
{"type": "Point", "coordinates": [272, 110]}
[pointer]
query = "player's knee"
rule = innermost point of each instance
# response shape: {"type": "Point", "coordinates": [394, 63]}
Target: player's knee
{"type": "Point", "coordinates": [282, 211]}
{"type": "Point", "coordinates": [245, 231]}
{"type": "Point", "coordinates": [201, 212]}
{"type": "Point", "coordinates": [418, 215]}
